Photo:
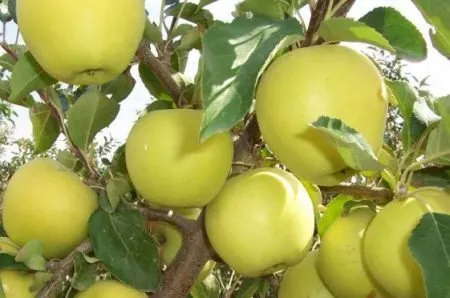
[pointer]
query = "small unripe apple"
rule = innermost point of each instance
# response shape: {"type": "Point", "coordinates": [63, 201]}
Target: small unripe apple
{"type": "Point", "coordinates": [82, 42]}
{"type": "Point", "coordinates": [340, 262]}
{"type": "Point", "coordinates": [46, 201]}
{"type": "Point", "coordinates": [169, 166]}
{"type": "Point", "coordinates": [306, 83]}
{"type": "Point", "coordinates": [110, 289]}
{"type": "Point", "coordinates": [385, 247]}
{"type": "Point", "coordinates": [303, 281]}
{"type": "Point", "coordinates": [262, 221]}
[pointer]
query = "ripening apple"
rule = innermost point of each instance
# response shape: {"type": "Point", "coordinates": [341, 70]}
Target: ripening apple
{"type": "Point", "coordinates": [261, 221]}
{"type": "Point", "coordinates": [303, 280]}
{"type": "Point", "coordinates": [340, 261]}
{"type": "Point", "coordinates": [110, 289]}
{"type": "Point", "coordinates": [46, 201]}
{"type": "Point", "coordinates": [17, 284]}
{"type": "Point", "coordinates": [169, 166]}
{"type": "Point", "coordinates": [306, 83]}
{"type": "Point", "coordinates": [82, 42]}
{"type": "Point", "coordinates": [386, 251]}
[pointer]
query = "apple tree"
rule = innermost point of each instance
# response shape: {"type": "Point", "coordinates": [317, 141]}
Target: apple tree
{"type": "Point", "coordinates": [292, 165]}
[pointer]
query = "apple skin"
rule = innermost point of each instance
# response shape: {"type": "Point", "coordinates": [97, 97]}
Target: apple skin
{"type": "Point", "coordinates": [391, 263]}
{"type": "Point", "coordinates": [340, 263]}
{"type": "Point", "coordinates": [82, 42]}
{"type": "Point", "coordinates": [110, 289]}
{"type": "Point", "coordinates": [169, 166]}
{"type": "Point", "coordinates": [45, 201]}
{"type": "Point", "coordinates": [304, 84]}
{"type": "Point", "coordinates": [262, 221]}
{"type": "Point", "coordinates": [303, 280]}
{"type": "Point", "coordinates": [17, 284]}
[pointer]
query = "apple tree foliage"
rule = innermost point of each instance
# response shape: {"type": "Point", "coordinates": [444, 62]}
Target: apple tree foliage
{"type": "Point", "coordinates": [233, 56]}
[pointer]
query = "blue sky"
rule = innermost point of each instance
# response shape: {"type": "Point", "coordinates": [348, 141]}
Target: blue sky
{"type": "Point", "coordinates": [435, 65]}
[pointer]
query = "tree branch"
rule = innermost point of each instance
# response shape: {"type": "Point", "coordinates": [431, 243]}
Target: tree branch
{"type": "Point", "coordinates": [377, 193]}
{"type": "Point", "coordinates": [317, 17]}
{"type": "Point", "coordinates": [184, 224]}
{"type": "Point", "coordinates": [195, 251]}
{"type": "Point", "coordinates": [145, 56]}
{"type": "Point", "coordinates": [63, 269]}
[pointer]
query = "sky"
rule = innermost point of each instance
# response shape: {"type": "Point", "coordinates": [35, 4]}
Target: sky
{"type": "Point", "coordinates": [436, 66]}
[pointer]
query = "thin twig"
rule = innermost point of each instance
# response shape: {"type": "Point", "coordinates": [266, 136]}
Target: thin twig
{"type": "Point", "coordinates": [378, 193]}
{"type": "Point", "coordinates": [184, 224]}
{"type": "Point", "coordinates": [63, 269]}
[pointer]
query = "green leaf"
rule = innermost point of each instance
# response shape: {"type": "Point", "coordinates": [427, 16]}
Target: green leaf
{"type": "Point", "coordinates": [118, 162]}
{"type": "Point", "coordinates": [191, 12]}
{"type": "Point", "coordinates": [45, 127]}
{"type": "Point", "coordinates": [160, 105]}
{"type": "Point", "coordinates": [152, 32]}
{"type": "Point", "coordinates": [439, 142]}
{"type": "Point", "coordinates": [115, 189]}
{"type": "Point", "coordinates": [399, 31]}
{"type": "Point", "coordinates": [431, 176]}
{"type": "Point", "coordinates": [350, 144]}
{"type": "Point", "coordinates": [233, 57]}
{"type": "Point", "coordinates": [208, 288]}
{"type": "Point", "coordinates": [266, 8]}
{"type": "Point", "coordinates": [8, 261]}
{"type": "Point", "coordinates": [191, 40]}
{"type": "Point", "coordinates": [69, 160]}
{"type": "Point", "coordinates": [345, 29]}
{"type": "Point", "coordinates": [7, 62]}
{"type": "Point", "coordinates": [85, 273]}
{"type": "Point", "coordinates": [179, 59]}
{"type": "Point", "coordinates": [5, 92]}
{"type": "Point", "coordinates": [31, 255]}
{"type": "Point", "coordinates": [152, 83]}
{"type": "Point", "coordinates": [406, 98]}
{"type": "Point", "coordinates": [430, 245]}
{"type": "Point", "coordinates": [27, 76]}
{"type": "Point", "coordinates": [120, 87]}
{"type": "Point", "coordinates": [436, 13]}
{"type": "Point", "coordinates": [334, 211]}
{"type": "Point", "coordinates": [203, 3]}
{"type": "Point", "coordinates": [120, 241]}
{"type": "Point", "coordinates": [442, 107]}
{"type": "Point", "coordinates": [92, 112]}
{"type": "Point", "coordinates": [248, 288]}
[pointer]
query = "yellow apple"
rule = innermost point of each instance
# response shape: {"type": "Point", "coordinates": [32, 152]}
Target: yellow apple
{"type": "Point", "coordinates": [303, 280]}
{"type": "Point", "coordinates": [82, 42]}
{"type": "Point", "coordinates": [304, 84]}
{"type": "Point", "coordinates": [46, 201]}
{"type": "Point", "coordinates": [110, 289]}
{"type": "Point", "coordinates": [340, 262]}
{"type": "Point", "coordinates": [386, 253]}
{"type": "Point", "coordinates": [17, 284]}
{"type": "Point", "coordinates": [262, 221]}
{"type": "Point", "coordinates": [168, 164]}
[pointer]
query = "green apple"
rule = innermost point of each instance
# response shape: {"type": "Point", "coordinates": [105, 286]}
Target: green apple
{"type": "Point", "coordinates": [340, 262]}
{"type": "Point", "coordinates": [262, 221]}
{"type": "Point", "coordinates": [110, 289]}
{"type": "Point", "coordinates": [303, 280]}
{"type": "Point", "coordinates": [46, 201]}
{"type": "Point", "coordinates": [306, 83]}
{"type": "Point", "coordinates": [17, 284]}
{"type": "Point", "coordinates": [168, 164]}
{"type": "Point", "coordinates": [385, 247]}
{"type": "Point", "coordinates": [82, 42]}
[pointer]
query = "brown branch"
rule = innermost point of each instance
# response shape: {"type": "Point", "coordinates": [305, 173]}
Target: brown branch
{"type": "Point", "coordinates": [377, 193]}
{"type": "Point", "coordinates": [317, 18]}
{"type": "Point", "coordinates": [184, 224]}
{"type": "Point", "coordinates": [9, 51]}
{"type": "Point", "coordinates": [163, 73]}
{"type": "Point", "coordinates": [195, 251]}
{"type": "Point", "coordinates": [63, 269]}
{"type": "Point", "coordinates": [345, 8]}
{"type": "Point", "coordinates": [244, 147]}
